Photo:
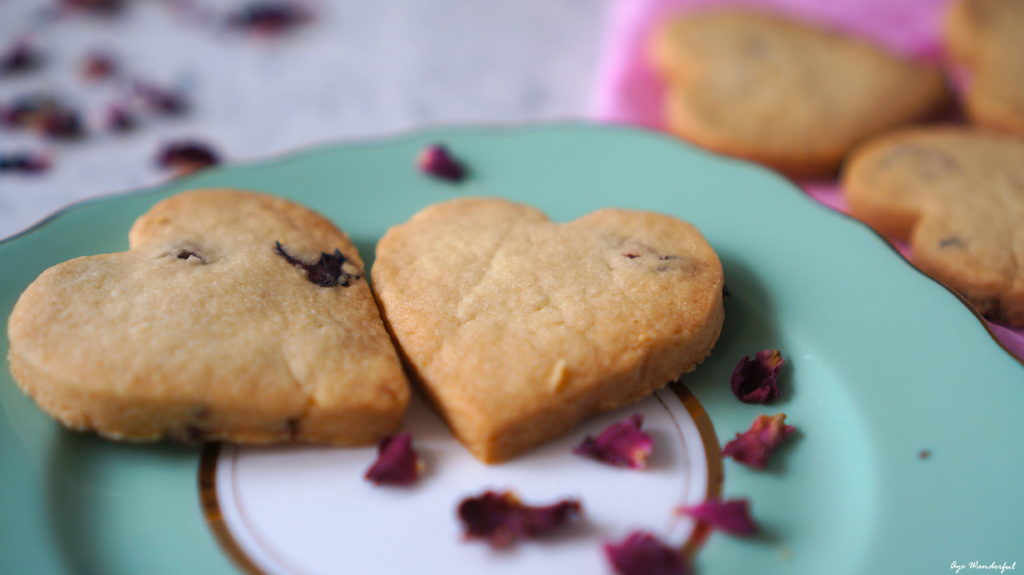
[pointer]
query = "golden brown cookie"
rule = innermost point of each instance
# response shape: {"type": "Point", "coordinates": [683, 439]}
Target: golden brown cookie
{"type": "Point", "coordinates": [784, 93]}
{"type": "Point", "coordinates": [519, 328]}
{"type": "Point", "coordinates": [232, 317]}
{"type": "Point", "coordinates": [957, 194]}
{"type": "Point", "coordinates": [986, 37]}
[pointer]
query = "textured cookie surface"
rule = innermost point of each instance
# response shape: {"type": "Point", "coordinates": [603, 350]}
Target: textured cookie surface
{"type": "Point", "coordinates": [519, 328]}
{"type": "Point", "coordinates": [783, 93]}
{"type": "Point", "coordinates": [958, 195]}
{"type": "Point", "coordinates": [204, 330]}
{"type": "Point", "coordinates": [987, 38]}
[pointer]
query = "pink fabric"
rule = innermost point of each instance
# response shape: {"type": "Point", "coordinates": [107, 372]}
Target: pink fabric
{"type": "Point", "coordinates": [628, 92]}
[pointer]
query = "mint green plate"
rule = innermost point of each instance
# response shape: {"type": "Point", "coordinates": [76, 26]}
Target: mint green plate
{"type": "Point", "coordinates": [883, 363]}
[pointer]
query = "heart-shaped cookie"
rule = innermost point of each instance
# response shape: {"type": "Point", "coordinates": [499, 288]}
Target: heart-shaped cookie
{"type": "Point", "coordinates": [234, 316]}
{"type": "Point", "coordinates": [519, 327]}
{"type": "Point", "coordinates": [984, 36]}
{"type": "Point", "coordinates": [958, 195]}
{"type": "Point", "coordinates": [782, 92]}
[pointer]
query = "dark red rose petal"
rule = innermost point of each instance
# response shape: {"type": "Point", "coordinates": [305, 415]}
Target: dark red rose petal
{"type": "Point", "coordinates": [118, 118]}
{"type": "Point", "coordinates": [98, 7]}
{"type": "Point", "coordinates": [502, 519]}
{"type": "Point", "coordinates": [328, 271]}
{"type": "Point", "coordinates": [186, 156]}
{"type": "Point", "coordinates": [61, 125]}
{"type": "Point", "coordinates": [159, 100]}
{"type": "Point", "coordinates": [45, 115]}
{"type": "Point", "coordinates": [436, 161]}
{"type": "Point", "coordinates": [19, 57]}
{"type": "Point", "coordinates": [397, 462]}
{"type": "Point", "coordinates": [732, 516]}
{"type": "Point", "coordinates": [756, 381]}
{"type": "Point", "coordinates": [622, 444]}
{"type": "Point", "coordinates": [269, 17]}
{"type": "Point", "coordinates": [641, 553]}
{"type": "Point", "coordinates": [98, 66]}
{"type": "Point", "coordinates": [755, 446]}
{"type": "Point", "coordinates": [24, 162]}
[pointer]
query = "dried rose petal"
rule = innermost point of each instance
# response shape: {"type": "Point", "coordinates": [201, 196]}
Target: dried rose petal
{"type": "Point", "coordinates": [756, 381]}
{"type": "Point", "coordinates": [435, 160]}
{"type": "Point", "coordinates": [98, 66]}
{"type": "Point", "coordinates": [185, 157]}
{"type": "Point", "coordinates": [61, 125]}
{"type": "Point", "coordinates": [732, 516]}
{"type": "Point", "coordinates": [26, 111]}
{"type": "Point", "coordinates": [19, 57]}
{"type": "Point", "coordinates": [118, 118]}
{"type": "Point", "coordinates": [44, 115]}
{"type": "Point", "coordinates": [159, 100]}
{"type": "Point", "coordinates": [268, 17]}
{"type": "Point", "coordinates": [754, 446]}
{"type": "Point", "coordinates": [501, 518]}
{"type": "Point", "coordinates": [24, 162]}
{"type": "Point", "coordinates": [641, 553]}
{"type": "Point", "coordinates": [328, 271]}
{"type": "Point", "coordinates": [622, 444]}
{"type": "Point", "coordinates": [397, 462]}
{"type": "Point", "coordinates": [100, 7]}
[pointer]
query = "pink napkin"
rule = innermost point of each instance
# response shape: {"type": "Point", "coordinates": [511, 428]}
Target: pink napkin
{"type": "Point", "coordinates": [628, 92]}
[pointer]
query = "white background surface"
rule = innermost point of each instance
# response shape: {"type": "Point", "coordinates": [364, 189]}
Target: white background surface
{"type": "Point", "coordinates": [359, 69]}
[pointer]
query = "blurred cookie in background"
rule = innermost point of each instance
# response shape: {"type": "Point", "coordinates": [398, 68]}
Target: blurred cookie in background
{"type": "Point", "coordinates": [784, 93]}
{"type": "Point", "coordinates": [957, 195]}
{"type": "Point", "coordinates": [986, 38]}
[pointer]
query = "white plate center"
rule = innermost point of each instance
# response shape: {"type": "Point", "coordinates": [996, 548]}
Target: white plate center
{"type": "Point", "coordinates": [308, 510]}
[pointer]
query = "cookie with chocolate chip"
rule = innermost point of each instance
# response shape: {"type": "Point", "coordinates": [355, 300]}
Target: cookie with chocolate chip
{"type": "Point", "coordinates": [986, 37]}
{"type": "Point", "coordinates": [957, 195]}
{"type": "Point", "coordinates": [782, 92]}
{"type": "Point", "coordinates": [519, 328]}
{"type": "Point", "coordinates": [233, 316]}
